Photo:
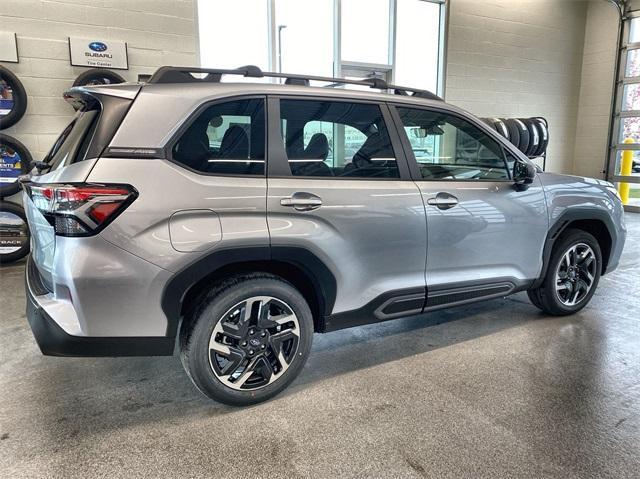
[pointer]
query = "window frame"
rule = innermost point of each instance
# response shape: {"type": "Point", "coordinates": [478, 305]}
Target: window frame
{"type": "Point", "coordinates": [195, 114]}
{"type": "Point", "coordinates": [414, 167]}
{"type": "Point", "coordinates": [278, 161]}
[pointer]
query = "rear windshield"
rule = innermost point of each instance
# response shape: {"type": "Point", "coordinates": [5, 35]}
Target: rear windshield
{"type": "Point", "coordinates": [71, 146]}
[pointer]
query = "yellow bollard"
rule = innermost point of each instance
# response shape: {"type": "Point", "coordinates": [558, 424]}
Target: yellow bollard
{"type": "Point", "coordinates": [625, 170]}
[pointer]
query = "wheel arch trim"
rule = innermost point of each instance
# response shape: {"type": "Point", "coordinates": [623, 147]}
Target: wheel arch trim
{"type": "Point", "coordinates": [562, 222]}
{"type": "Point", "coordinates": [222, 260]}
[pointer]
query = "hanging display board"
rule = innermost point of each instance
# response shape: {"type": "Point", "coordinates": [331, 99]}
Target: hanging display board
{"type": "Point", "coordinates": [8, 47]}
{"type": "Point", "coordinates": [15, 160]}
{"type": "Point", "coordinates": [14, 233]}
{"type": "Point", "coordinates": [88, 52]}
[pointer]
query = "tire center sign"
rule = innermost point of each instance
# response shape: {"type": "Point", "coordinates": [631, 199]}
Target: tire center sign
{"type": "Point", "coordinates": [95, 53]}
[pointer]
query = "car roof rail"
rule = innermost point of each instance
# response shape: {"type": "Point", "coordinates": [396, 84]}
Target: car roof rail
{"type": "Point", "coordinates": [168, 74]}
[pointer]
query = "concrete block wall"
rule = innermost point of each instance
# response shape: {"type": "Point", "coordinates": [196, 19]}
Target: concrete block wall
{"type": "Point", "coordinates": [596, 86]}
{"type": "Point", "coordinates": [509, 58]}
{"type": "Point", "coordinates": [158, 32]}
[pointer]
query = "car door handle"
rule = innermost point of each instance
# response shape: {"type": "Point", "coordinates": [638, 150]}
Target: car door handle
{"type": "Point", "coordinates": [443, 201]}
{"type": "Point", "coordinates": [302, 201]}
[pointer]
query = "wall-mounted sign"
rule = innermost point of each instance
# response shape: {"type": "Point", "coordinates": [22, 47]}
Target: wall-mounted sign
{"type": "Point", "coordinates": [90, 52]}
{"type": "Point", "coordinates": [8, 47]}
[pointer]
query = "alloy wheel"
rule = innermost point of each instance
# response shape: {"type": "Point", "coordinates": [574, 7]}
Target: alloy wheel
{"type": "Point", "coordinates": [576, 274]}
{"type": "Point", "coordinates": [254, 343]}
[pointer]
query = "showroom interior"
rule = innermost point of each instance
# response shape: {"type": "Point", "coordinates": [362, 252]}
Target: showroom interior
{"type": "Point", "coordinates": [493, 388]}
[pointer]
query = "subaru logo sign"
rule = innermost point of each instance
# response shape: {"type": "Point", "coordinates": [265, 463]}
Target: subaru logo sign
{"type": "Point", "coordinates": [97, 46]}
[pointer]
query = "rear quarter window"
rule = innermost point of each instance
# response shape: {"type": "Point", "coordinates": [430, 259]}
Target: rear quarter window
{"type": "Point", "coordinates": [73, 143]}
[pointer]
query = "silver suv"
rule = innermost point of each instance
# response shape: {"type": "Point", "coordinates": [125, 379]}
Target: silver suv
{"type": "Point", "coordinates": [234, 220]}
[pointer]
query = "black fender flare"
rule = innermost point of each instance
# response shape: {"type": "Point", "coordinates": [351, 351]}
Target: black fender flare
{"type": "Point", "coordinates": [178, 286]}
{"type": "Point", "coordinates": [562, 222]}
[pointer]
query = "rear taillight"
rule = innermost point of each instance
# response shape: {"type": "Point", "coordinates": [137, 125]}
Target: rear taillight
{"type": "Point", "coordinates": [80, 209]}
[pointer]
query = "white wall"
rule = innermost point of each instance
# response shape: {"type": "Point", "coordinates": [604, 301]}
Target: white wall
{"type": "Point", "coordinates": [596, 86]}
{"type": "Point", "coordinates": [510, 58]}
{"type": "Point", "coordinates": [158, 32]}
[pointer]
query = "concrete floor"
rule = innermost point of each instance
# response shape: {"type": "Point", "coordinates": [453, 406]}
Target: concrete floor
{"type": "Point", "coordinates": [494, 389]}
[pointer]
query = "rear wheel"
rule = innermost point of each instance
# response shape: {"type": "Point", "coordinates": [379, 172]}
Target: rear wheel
{"type": "Point", "coordinates": [248, 340]}
{"type": "Point", "coordinates": [572, 276]}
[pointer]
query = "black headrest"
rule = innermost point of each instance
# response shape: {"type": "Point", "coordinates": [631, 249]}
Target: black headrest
{"type": "Point", "coordinates": [318, 147]}
{"type": "Point", "coordinates": [235, 143]}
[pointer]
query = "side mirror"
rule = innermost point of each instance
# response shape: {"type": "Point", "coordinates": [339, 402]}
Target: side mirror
{"type": "Point", "coordinates": [523, 174]}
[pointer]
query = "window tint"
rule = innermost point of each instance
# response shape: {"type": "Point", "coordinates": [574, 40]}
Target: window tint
{"type": "Point", "coordinates": [227, 138]}
{"type": "Point", "coordinates": [449, 148]}
{"type": "Point", "coordinates": [336, 139]}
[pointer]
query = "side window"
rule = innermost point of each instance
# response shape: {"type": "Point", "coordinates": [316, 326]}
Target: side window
{"type": "Point", "coordinates": [336, 139]}
{"type": "Point", "coordinates": [449, 148]}
{"type": "Point", "coordinates": [226, 138]}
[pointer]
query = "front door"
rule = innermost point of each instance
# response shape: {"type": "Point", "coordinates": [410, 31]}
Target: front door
{"type": "Point", "coordinates": [337, 189]}
{"type": "Point", "coordinates": [485, 237]}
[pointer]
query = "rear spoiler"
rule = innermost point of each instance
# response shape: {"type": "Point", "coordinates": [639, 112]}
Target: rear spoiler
{"type": "Point", "coordinates": [82, 97]}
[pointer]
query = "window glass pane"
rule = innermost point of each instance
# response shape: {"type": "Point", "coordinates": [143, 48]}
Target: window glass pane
{"type": "Point", "coordinates": [336, 139]}
{"type": "Point", "coordinates": [417, 39]}
{"type": "Point", "coordinates": [632, 198]}
{"type": "Point", "coordinates": [630, 129]}
{"type": "Point", "coordinates": [449, 148]}
{"type": "Point", "coordinates": [631, 97]}
{"type": "Point", "coordinates": [307, 39]}
{"type": "Point", "coordinates": [233, 34]}
{"type": "Point", "coordinates": [365, 31]}
{"type": "Point", "coordinates": [633, 63]}
{"type": "Point", "coordinates": [632, 169]}
{"type": "Point", "coordinates": [634, 30]}
{"type": "Point", "coordinates": [72, 144]}
{"type": "Point", "coordinates": [227, 138]}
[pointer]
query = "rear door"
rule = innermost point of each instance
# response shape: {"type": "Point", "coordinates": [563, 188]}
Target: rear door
{"type": "Point", "coordinates": [339, 188]}
{"type": "Point", "coordinates": [485, 237]}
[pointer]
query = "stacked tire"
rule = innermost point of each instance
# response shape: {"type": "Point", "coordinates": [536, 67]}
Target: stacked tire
{"type": "Point", "coordinates": [529, 135]}
{"type": "Point", "coordinates": [15, 160]}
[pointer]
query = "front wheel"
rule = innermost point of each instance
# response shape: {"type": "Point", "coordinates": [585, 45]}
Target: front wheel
{"type": "Point", "coordinates": [572, 276]}
{"type": "Point", "coordinates": [248, 340]}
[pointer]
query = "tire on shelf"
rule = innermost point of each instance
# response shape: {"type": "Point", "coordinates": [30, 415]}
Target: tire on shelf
{"type": "Point", "coordinates": [514, 131]}
{"type": "Point", "coordinates": [98, 76]}
{"type": "Point", "coordinates": [13, 99]}
{"type": "Point", "coordinates": [14, 233]}
{"type": "Point", "coordinates": [523, 144]}
{"type": "Point", "coordinates": [15, 160]}
{"type": "Point", "coordinates": [534, 136]}
{"type": "Point", "coordinates": [543, 130]}
{"type": "Point", "coordinates": [500, 127]}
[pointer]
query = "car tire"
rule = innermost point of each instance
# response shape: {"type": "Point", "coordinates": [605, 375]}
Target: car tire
{"type": "Point", "coordinates": [19, 97]}
{"type": "Point", "coordinates": [98, 76]}
{"type": "Point", "coordinates": [523, 144]}
{"type": "Point", "coordinates": [543, 131]}
{"type": "Point", "coordinates": [12, 247]}
{"type": "Point", "coordinates": [500, 127]}
{"type": "Point", "coordinates": [534, 136]}
{"type": "Point", "coordinates": [12, 187]}
{"type": "Point", "coordinates": [216, 344]}
{"type": "Point", "coordinates": [572, 275]}
{"type": "Point", "coordinates": [514, 131]}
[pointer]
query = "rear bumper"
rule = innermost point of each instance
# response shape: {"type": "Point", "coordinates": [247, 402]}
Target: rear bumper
{"type": "Point", "coordinates": [54, 341]}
